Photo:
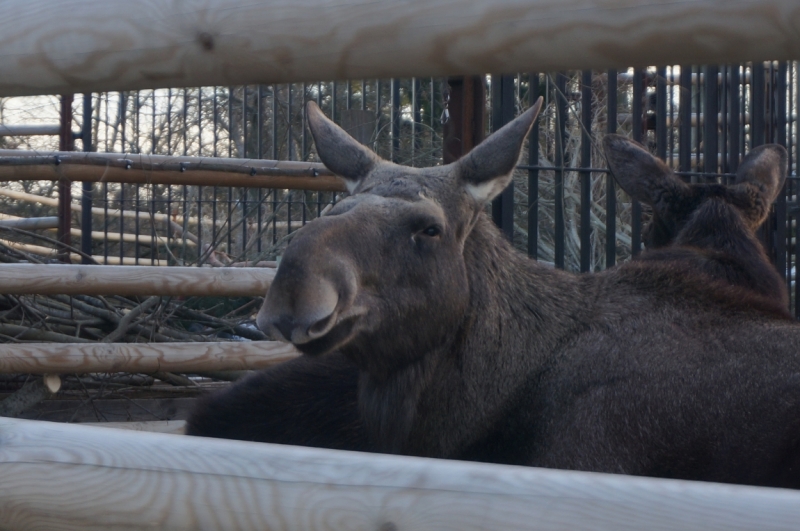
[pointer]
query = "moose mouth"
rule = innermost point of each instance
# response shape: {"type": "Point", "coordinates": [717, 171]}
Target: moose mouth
{"type": "Point", "coordinates": [339, 335]}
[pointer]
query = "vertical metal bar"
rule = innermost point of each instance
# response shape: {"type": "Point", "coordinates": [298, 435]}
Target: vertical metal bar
{"type": "Point", "coordinates": [121, 222]}
{"type": "Point", "coordinates": [123, 111]}
{"type": "Point", "coordinates": [395, 117]}
{"type": "Point", "coordinates": [561, 142]}
{"type": "Point", "coordinates": [87, 187]}
{"type": "Point", "coordinates": [796, 136]}
{"type": "Point", "coordinates": [611, 190]}
{"type": "Point", "coordinates": [334, 100]}
{"type": "Point", "coordinates": [661, 113]}
{"type": "Point", "coordinates": [639, 80]}
{"type": "Point", "coordinates": [685, 114]}
{"type": "Point", "coordinates": [244, 122]}
{"type": "Point", "coordinates": [710, 121]}
{"type": "Point", "coordinates": [503, 107]}
{"type": "Point", "coordinates": [586, 177]}
{"type": "Point", "coordinates": [758, 107]}
{"type": "Point", "coordinates": [136, 227]}
{"type": "Point", "coordinates": [65, 143]}
{"type": "Point", "coordinates": [780, 203]}
{"type": "Point", "coordinates": [734, 118]}
{"type": "Point", "coordinates": [289, 123]}
{"type": "Point", "coordinates": [533, 174]}
{"type": "Point", "coordinates": [363, 94]}
{"type": "Point", "coordinates": [105, 223]}
{"type": "Point", "coordinates": [723, 126]}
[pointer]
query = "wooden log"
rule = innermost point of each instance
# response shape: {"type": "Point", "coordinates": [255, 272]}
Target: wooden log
{"type": "Point", "coordinates": [162, 169]}
{"type": "Point", "coordinates": [29, 130]}
{"type": "Point", "coordinates": [87, 46]}
{"type": "Point", "coordinates": [29, 223]}
{"type": "Point", "coordinates": [76, 258]}
{"type": "Point", "coordinates": [140, 480]}
{"type": "Point", "coordinates": [178, 427]}
{"type": "Point", "coordinates": [74, 279]}
{"type": "Point", "coordinates": [147, 358]}
{"type": "Point", "coordinates": [29, 395]}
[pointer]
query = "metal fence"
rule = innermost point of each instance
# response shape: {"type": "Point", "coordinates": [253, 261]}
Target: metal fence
{"type": "Point", "coordinates": [562, 206]}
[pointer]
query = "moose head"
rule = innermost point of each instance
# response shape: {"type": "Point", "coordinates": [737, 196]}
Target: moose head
{"type": "Point", "coordinates": [392, 252]}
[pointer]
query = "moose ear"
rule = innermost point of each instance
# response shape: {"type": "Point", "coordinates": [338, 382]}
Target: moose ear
{"type": "Point", "coordinates": [487, 169]}
{"type": "Point", "coordinates": [341, 153]}
{"type": "Point", "coordinates": [758, 182]}
{"type": "Point", "coordinates": [766, 165]}
{"type": "Point", "coordinates": [641, 175]}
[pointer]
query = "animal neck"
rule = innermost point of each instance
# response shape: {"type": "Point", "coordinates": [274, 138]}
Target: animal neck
{"type": "Point", "coordinates": [451, 397]}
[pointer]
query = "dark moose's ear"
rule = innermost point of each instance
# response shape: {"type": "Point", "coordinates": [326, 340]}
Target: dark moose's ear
{"type": "Point", "coordinates": [486, 170]}
{"type": "Point", "coordinates": [341, 153]}
{"type": "Point", "coordinates": [759, 180]}
{"type": "Point", "coordinates": [641, 175]}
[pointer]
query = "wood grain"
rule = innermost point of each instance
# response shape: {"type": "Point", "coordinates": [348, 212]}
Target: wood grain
{"type": "Point", "coordinates": [142, 280]}
{"type": "Point", "coordinates": [67, 46]}
{"type": "Point", "coordinates": [61, 358]}
{"type": "Point", "coordinates": [68, 477]}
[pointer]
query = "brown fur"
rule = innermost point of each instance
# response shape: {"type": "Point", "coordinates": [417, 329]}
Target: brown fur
{"type": "Point", "coordinates": [466, 349]}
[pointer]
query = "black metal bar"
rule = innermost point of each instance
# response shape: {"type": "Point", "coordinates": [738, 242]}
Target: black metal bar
{"type": "Point", "coordinates": [395, 117]}
{"type": "Point", "coordinates": [639, 79]}
{"type": "Point", "coordinates": [734, 118]}
{"type": "Point", "coordinates": [561, 142]}
{"type": "Point", "coordinates": [611, 190]}
{"type": "Point", "coordinates": [685, 114]}
{"type": "Point", "coordinates": [661, 113]}
{"type": "Point", "coordinates": [65, 143]}
{"type": "Point", "coordinates": [758, 107]}
{"type": "Point", "coordinates": [796, 188]}
{"type": "Point", "coordinates": [87, 187]}
{"type": "Point", "coordinates": [586, 178]}
{"type": "Point", "coordinates": [710, 120]}
{"type": "Point", "coordinates": [503, 107]}
{"type": "Point", "coordinates": [780, 203]}
{"type": "Point", "coordinates": [533, 174]}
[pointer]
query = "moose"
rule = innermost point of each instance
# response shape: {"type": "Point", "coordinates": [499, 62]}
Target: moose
{"type": "Point", "coordinates": [711, 226]}
{"type": "Point", "coordinates": [425, 333]}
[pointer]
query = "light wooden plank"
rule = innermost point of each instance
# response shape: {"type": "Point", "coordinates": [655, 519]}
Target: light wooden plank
{"type": "Point", "coordinates": [66, 46]}
{"type": "Point", "coordinates": [177, 427]}
{"type": "Point", "coordinates": [141, 280]}
{"type": "Point", "coordinates": [61, 358]}
{"type": "Point", "coordinates": [69, 477]}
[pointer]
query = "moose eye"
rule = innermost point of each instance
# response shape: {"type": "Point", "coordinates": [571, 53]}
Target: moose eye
{"type": "Point", "coordinates": [432, 231]}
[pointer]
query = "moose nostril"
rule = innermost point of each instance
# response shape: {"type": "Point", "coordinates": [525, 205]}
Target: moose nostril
{"type": "Point", "coordinates": [285, 326]}
{"type": "Point", "coordinates": [321, 327]}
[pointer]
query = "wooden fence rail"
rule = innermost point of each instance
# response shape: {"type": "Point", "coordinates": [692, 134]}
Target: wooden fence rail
{"type": "Point", "coordinates": [161, 169]}
{"type": "Point", "coordinates": [58, 47]}
{"type": "Point", "coordinates": [74, 279]}
{"type": "Point", "coordinates": [147, 358]}
{"type": "Point", "coordinates": [72, 477]}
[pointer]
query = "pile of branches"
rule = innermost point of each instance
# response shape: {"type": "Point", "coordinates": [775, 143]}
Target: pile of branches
{"type": "Point", "coordinates": [83, 319]}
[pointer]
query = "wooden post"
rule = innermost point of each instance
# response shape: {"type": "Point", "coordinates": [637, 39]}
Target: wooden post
{"type": "Point", "coordinates": [65, 143]}
{"type": "Point", "coordinates": [465, 125]}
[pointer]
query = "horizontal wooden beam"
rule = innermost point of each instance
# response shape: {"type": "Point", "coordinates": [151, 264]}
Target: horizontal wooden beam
{"type": "Point", "coordinates": [73, 477]}
{"type": "Point", "coordinates": [74, 279]}
{"type": "Point", "coordinates": [161, 169]}
{"type": "Point", "coordinates": [55, 47]}
{"type": "Point", "coordinates": [14, 222]}
{"type": "Point", "coordinates": [29, 130]}
{"type": "Point", "coordinates": [147, 358]}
